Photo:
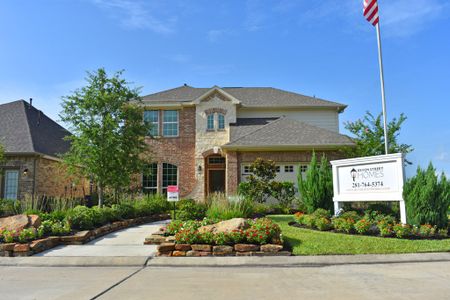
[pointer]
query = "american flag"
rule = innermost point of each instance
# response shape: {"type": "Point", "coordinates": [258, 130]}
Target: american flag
{"type": "Point", "coordinates": [371, 11]}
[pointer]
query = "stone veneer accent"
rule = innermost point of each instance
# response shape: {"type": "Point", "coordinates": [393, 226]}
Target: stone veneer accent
{"type": "Point", "coordinates": [49, 175]}
{"type": "Point", "coordinates": [205, 140]}
{"type": "Point", "coordinates": [178, 151]}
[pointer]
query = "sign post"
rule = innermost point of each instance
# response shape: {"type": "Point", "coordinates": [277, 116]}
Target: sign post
{"type": "Point", "coordinates": [173, 196]}
{"type": "Point", "coordinates": [372, 178]}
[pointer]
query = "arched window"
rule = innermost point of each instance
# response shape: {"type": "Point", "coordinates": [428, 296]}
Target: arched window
{"type": "Point", "coordinates": [150, 179]}
{"type": "Point", "coordinates": [210, 122]}
{"type": "Point", "coordinates": [169, 176]}
{"type": "Point", "coordinates": [221, 121]}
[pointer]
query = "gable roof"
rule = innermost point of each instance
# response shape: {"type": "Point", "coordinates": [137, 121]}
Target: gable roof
{"type": "Point", "coordinates": [284, 133]}
{"type": "Point", "coordinates": [248, 96]}
{"type": "Point", "coordinates": [25, 129]}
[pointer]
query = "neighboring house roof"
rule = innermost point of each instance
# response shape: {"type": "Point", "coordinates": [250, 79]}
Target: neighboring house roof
{"type": "Point", "coordinates": [283, 133]}
{"type": "Point", "coordinates": [25, 129]}
{"type": "Point", "coordinates": [248, 96]}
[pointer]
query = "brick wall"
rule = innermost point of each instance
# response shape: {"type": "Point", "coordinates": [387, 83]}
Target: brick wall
{"type": "Point", "coordinates": [178, 151]}
{"type": "Point", "coordinates": [52, 180]}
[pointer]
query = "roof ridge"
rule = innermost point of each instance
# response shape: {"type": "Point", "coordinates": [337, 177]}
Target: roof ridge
{"type": "Point", "coordinates": [258, 129]}
{"type": "Point", "coordinates": [30, 136]}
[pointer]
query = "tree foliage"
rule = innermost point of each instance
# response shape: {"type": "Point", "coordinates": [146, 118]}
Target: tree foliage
{"type": "Point", "coordinates": [258, 184]}
{"type": "Point", "coordinates": [2, 153]}
{"type": "Point", "coordinates": [108, 131]}
{"type": "Point", "coordinates": [427, 198]}
{"type": "Point", "coordinates": [369, 136]}
{"type": "Point", "coordinates": [316, 190]}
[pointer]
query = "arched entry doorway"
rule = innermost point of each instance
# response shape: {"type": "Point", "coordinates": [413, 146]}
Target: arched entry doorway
{"type": "Point", "coordinates": [214, 174]}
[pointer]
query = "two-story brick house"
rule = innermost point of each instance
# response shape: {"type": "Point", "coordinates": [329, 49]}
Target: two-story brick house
{"type": "Point", "coordinates": [203, 139]}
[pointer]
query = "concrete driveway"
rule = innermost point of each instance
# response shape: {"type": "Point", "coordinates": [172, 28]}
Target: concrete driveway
{"type": "Point", "coordinates": [125, 242]}
{"type": "Point", "coordinates": [426, 280]}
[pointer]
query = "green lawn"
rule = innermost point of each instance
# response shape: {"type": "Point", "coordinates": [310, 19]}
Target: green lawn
{"type": "Point", "coordinates": [312, 242]}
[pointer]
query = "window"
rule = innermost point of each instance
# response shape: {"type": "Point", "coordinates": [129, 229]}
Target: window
{"type": "Point", "coordinates": [221, 121]}
{"type": "Point", "coordinates": [169, 176]}
{"type": "Point", "coordinates": [214, 160]}
{"type": "Point", "coordinates": [288, 169]}
{"type": "Point", "coordinates": [278, 169]}
{"type": "Point", "coordinates": [11, 184]}
{"type": "Point", "coordinates": [247, 170]}
{"type": "Point", "coordinates": [303, 168]}
{"type": "Point", "coordinates": [210, 122]}
{"type": "Point", "coordinates": [150, 179]}
{"type": "Point", "coordinates": [170, 123]}
{"type": "Point", "coordinates": [152, 117]}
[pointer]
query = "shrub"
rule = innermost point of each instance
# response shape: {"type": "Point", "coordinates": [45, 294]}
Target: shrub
{"type": "Point", "coordinates": [258, 185]}
{"type": "Point", "coordinates": [362, 226]}
{"type": "Point", "coordinates": [386, 226]}
{"type": "Point", "coordinates": [343, 224]}
{"type": "Point", "coordinates": [27, 234]}
{"type": "Point", "coordinates": [186, 236]}
{"type": "Point", "coordinates": [46, 227]}
{"type": "Point", "coordinates": [80, 217]}
{"type": "Point", "coordinates": [223, 238]}
{"type": "Point", "coordinates": [220, 208]}
{"type": "Point", "coordinates": [427, 198]}
{"type": "Point", "coordinates": [321, 213]}
{"type": "Point", "coordinates": [284, 192]}
{"type": "Point", "coordinates": [299, 217]}
{"type": "Point", "coordinates": [308, 221]}
{"type": "Point", "coordinates": [7, 236]}
{"type": "Point", "coordinates": [427, 230]}
{"type": "Point", "coordinates": [205, 238]}
{"type": "Point", "coordinates": [402, 230]}
{"type": "Point", "coordinates": [442, 233]}
{"type": "Point", "coordinates": [255, 236]}
{"type": "Point", "coordinates": [124, 210]}
{"type": "Point", "coordinates": [188, 209]}
{"type": "Point", "coordinates": [237, 236]}
{"type": "Point", "coordinates": [351, 215]}
{"type": "Point", "coordinates": [60, 228]}
{"type": "Point", "coordinates": [316, 189]}
{"type": "Point", "coordinates": [173, 227]}
{"type": "Point", "coordinates": [373, 216]}
{"type": "Point", "coordinates": [322, 223]}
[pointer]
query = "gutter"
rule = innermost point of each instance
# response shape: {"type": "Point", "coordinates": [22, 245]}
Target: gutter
{"type": "Point", "coordinates": [285, 147]}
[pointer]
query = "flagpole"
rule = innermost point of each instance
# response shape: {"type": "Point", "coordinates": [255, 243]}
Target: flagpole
{"type": "Point", "coordinates": [383, 99]}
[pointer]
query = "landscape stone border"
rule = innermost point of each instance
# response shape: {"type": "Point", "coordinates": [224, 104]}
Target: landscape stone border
{"type": "Point", "coordinates": [79, 238]}
{"type": "Point", "coordinates": [168, 247]}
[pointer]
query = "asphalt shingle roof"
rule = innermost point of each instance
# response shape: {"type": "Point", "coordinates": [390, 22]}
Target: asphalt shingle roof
{"type": "Point", "coordinates": [25, 129]}
{"type": "Point", "coordinates": [249, 97]}
{"type": "Point", "coordinates": [285, 132]}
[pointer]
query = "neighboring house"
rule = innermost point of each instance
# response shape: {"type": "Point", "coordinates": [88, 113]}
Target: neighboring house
{"type": "Point", "coordinates": [204, 139]}
{"type": "Point", "coordinates": [32, 143]}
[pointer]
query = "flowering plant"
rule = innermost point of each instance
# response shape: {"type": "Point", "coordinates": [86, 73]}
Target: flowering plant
{"type": "Point", "coordinates": [362, 226]}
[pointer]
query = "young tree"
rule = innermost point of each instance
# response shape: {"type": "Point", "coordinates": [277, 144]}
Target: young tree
{"type": "Point", "coordinates": [258, 184]}
{"type": "Point", "coordinates": [316, 190]}
{"type": "Point", "coordinates": [369, 136]}
{"type": "Point", "coordinates": [108, 131]}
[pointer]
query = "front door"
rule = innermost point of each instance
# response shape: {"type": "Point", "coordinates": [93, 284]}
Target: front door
{"type": "Point", "coordinates": [215, 174]}
{"type": "Point", "coordinates": [216, 181]}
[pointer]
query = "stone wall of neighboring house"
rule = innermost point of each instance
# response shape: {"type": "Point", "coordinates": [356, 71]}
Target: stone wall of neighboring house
{"type": "Point", "coordinates": [178, 151]}
{"type": "Point", "coordinates": [52, 180]}
{"type": "Point", "coordinates": [237, 158]}
{"type": "Point", "coordinates": [20, 163]}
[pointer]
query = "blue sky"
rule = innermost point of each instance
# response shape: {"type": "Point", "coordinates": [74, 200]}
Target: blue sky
{"type": "Point", "coordinates": [322, 48]}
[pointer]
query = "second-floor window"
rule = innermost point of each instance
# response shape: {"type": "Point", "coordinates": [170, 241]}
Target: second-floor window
{"type": "Point", "coordinates": [210, 122]}
{"type": "Point", "coordinates": [170, 123]}
{"type": "Point", "coordinates": [152, 117]}
{"type": "Point", "coordinates": [221, 121]}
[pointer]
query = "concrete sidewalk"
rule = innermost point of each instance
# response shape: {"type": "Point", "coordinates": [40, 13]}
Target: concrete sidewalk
{"type": "Point", "coordinates": [123, 243]}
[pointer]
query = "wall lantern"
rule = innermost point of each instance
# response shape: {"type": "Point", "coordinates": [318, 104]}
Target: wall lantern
{"type": "Point", "coordinates": [199, 168]}
{"type": "Point", "coordinates": [25, 172]}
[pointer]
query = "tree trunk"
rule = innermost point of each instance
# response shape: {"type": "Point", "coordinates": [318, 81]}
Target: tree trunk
{"type": "Point", "coordinates": [100, 195]}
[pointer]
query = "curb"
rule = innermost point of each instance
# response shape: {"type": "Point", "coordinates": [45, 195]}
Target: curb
{"type": "Point", "coordinates": [75, 261]}
{"type": "Point", "coordinates": [297, 261]}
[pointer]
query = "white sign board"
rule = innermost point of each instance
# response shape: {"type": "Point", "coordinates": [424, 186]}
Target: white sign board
{"type": "Point", "coordinates": [372, 178]}
{"type": "Point", "coordinates": [172, 193]}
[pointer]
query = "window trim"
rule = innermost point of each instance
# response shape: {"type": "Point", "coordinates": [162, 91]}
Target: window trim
{"type": "Point", "coordinates": [177, 122]}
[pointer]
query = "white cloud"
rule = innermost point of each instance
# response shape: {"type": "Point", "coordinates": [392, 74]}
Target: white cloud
{"type": "Point", "coordinates": [443, 156]}
{"type": "Point", "coordinates": [137, 15]}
